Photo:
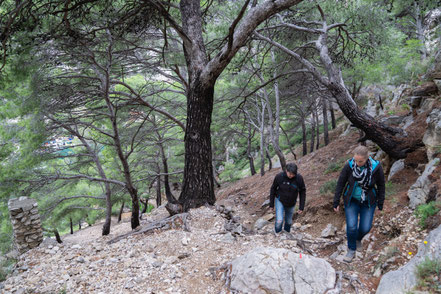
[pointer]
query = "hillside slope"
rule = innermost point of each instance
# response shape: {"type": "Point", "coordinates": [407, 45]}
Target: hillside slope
{"type": "Point", "coordinates": [179, 261]}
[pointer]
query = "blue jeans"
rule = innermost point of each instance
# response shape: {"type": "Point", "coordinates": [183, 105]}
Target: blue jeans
{"type": "Point", "coordinates": [282, 210]}
{"type": "Point", "coordinates": [356, 229]}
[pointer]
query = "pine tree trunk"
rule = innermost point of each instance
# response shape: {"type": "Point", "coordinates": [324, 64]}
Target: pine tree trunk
{"type": "Point", "coordinates": [158, 191]}
{"type": "Point", "coordinates": [146, 204]}
{"type": "Point", "coordinates": [250, 157]}
{"type": "Point", "coordinates": [333, 122]}
{"type": "Point", "coordinates": [57, 236]}
{"type": "Point", "coordinates": [325, 120]}
{"type": "Point", "coordinates": [311, 148]}
{"type": "Point", "coordinates": [262, 141]}
{"type": "Point", "coordinates": [317, 129]}
{"type": "Point", "coordinates": [304, 137]}
{"type": "Point", "coordinates": [168, 193]}
{"type": "Point", "coordinates": [198, 186]}
{"type": "Point", "coordinates": [120, 212]}
{"type": "Point", "coordinates": [270, 163]}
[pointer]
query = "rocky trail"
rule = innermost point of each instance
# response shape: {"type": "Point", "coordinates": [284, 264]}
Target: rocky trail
{"type": "Point", "coordinates": [195, 261]}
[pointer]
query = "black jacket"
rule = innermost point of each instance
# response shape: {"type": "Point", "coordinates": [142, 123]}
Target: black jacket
{"type": "Point", "coordinates": [288, 189]}
{"type": "Point", "coordinates": [346, 184]}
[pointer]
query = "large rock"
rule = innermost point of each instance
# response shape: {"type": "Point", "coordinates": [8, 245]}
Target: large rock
{"type": "Point", "coordinates": [329, 231]}
{"type": "Point", "coordinates": [393, 120]}
{"type": "Point", "coordinates": [404, 279]}
{"type": "Point", "coordinates": [432, 136]}
{"type": "Point", "coordinates": [260, 224]}
{"type": "Point", "coordinates": [419, 192]}
{"type": "Point", "coordinates": [395, 168]}
{"type": "Point", "coordinates": [278, 270]}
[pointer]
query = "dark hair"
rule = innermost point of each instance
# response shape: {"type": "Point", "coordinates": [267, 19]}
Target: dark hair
{"type": "Point", "coordinates": [292, 168]}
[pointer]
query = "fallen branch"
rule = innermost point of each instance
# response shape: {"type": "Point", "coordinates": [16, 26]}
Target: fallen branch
{"type": "Point", "coordinates": [172, 222]}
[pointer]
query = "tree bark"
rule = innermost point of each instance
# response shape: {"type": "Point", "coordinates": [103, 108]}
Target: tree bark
{"type": "Point", "coordinates": [317, 128]}
{"type": "Point", "coordinates": [57, 236]}
{"type": "Point", "coordinates": [304, 137]}
{"type": "Point", "coordinates": [158, 191]}
{"type": "Point", "coordinates": [71, 226]}
{"type": "Point", "coordinates": [311, 148]}
{"type": "Point", "coordinates": [250, 157]}
{"type": "Point", "coordinates": [168, 193]}
{"type": "Point", "coordinates": [262, 140]}
{"type": "Point", "coordinates": [198, 186]}
{"type": "Point", "coordinates": [333, 122]}
{"type": "Point", "coordinates": [325, 120]}
{"type": "Point", "coordinates": [146, 204]}
{"type": "Point", "coordinates": [120, 212]}
{"type": "Point", "coordinates": [270, 163]}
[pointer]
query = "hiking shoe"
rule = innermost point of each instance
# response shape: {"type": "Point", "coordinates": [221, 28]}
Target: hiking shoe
{"type": "Point", "coordinates": [359, 245]}
{"type": "Point", "coordinates": [349, 256]}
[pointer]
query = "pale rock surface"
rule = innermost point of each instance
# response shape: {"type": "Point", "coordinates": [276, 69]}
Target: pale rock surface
{"type": "Point", "coordinates": [432, 136]}
{"type": "Point", "coordinates": [404, 279]}
{"type": "Point", "coordinates": [419, 191]}
{"type": "Point", "coordinates": [277, 270]}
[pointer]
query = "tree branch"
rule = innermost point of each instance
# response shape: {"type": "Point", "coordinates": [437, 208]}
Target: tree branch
{"type": "Point", "coordinates": [309, 66]}
{"type": "Point", "coordinates": [255, 16]}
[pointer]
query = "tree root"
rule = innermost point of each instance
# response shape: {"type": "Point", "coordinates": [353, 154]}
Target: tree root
{"type": "Point", "coordinates": [172, 222]}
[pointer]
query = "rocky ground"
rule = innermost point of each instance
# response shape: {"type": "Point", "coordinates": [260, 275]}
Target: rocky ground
{"type": "Point", "coordinates": [179, 261]}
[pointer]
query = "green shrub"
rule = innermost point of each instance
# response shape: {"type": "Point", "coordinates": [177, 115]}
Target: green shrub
{"type": "Point", "coordinates": [405, 106]}
{"type": "Point", "coordinates": [423, 211]}
{"type": "Point", "coordinates": [328, 187]}
{"type": "Point", "coordinates": [6, 268]}
{"type": "Point", "coordinates": [230, 173]}
{"type": "Point", "coordinates": [334, 166]}
{"type": "Point", "coordinates": [149, 208]}
{"type": "Point", "coordinates": [429, 275]}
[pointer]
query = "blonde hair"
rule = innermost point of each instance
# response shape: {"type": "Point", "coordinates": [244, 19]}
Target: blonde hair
{"type": "Point", "coordinates": [362, 151]}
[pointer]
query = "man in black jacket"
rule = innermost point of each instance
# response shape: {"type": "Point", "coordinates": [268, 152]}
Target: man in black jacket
{"type": "Point", "coordinates": [286, 186]}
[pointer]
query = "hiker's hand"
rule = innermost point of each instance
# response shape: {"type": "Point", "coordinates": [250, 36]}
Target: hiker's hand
{"type": "Point", "coordinates": [336, 209]}
{"type": "Point", "coordinates": [299, 211]}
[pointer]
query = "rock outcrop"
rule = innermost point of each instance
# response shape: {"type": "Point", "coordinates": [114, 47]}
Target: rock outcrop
{"type": "Point", "coordinates": [419, 192]}
{"type": "Point", "coordinates": [277, 270]}
{"type": "Point", "coordinates": [404, 279]}
{"type": "Point", "coordinates": [432, 136]}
